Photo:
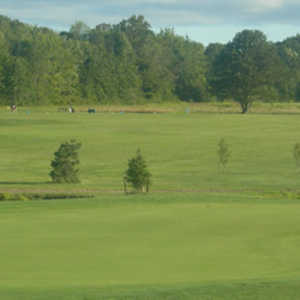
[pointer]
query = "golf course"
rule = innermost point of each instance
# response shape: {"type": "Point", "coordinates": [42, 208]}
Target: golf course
{"type": "Point", "coordinates": [201, 232]}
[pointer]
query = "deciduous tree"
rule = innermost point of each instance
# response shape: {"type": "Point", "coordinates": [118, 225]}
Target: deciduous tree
{"type": "Point", "coordinates": [244, 67]}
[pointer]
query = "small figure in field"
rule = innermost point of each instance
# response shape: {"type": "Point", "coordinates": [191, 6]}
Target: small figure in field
{"type": "Point", "coordinates": [13, 108]}
{"type": "Point", "coordinates": [71, 109]}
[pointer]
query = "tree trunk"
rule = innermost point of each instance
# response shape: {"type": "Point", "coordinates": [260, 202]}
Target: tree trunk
{"type": "Point", "coordinates": [245, 107]}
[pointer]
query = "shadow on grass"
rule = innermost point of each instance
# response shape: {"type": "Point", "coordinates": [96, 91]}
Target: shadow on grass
{"type": "Point", "coordinates": [24, 182]}
{"type": "Point", "coordinates": [246, 114]}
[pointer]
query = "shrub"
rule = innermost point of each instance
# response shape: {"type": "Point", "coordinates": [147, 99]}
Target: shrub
{"type": "Point", "coordinates": [224, 153]}
{"type": "Point", "coordinates": [137, 174]}
{"type": "Point", "coordinates": [65, 163]}
{"type": "Point", "coordinates": [296, 153]}
{"type": "Point", "coordinates": [13, 197]}
{"type": "Point", "coordinates": [5, 196]}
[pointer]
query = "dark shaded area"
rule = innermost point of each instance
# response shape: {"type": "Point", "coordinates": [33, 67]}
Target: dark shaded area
{"type": "Point", "coordinates": [24, 182]}
{"type": "Point", "coordinates": [251, 289]}
{"type": "Point", "coordinates": [41, 196]}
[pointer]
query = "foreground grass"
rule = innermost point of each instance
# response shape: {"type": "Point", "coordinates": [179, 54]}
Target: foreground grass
{"type": "Point", "coordinates": [150, 247]}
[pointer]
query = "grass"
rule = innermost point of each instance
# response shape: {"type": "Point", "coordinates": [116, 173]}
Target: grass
{"type": "Point", "coordinates": [180, 150]}
{"type": "Point", "coordinates": [136, 245]}
{"type": "Point", "coordinates": [200, 234]}
{"type": "Point", "coordinates": [229, 290]}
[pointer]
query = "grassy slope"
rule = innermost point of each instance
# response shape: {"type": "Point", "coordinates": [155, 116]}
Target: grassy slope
{"type": "Point", "coordinates": [159, 245]}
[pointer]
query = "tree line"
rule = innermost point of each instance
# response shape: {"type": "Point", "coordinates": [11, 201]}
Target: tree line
{"type": "Point", "coordinates": [129, 63]}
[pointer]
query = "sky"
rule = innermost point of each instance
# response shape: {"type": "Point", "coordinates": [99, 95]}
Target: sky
{"type": "Point", "coordinates": [205, 21]}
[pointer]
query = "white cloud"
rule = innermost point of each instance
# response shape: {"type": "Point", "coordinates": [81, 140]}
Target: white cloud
{"type": "Point", "coordinates": [182, 14]}
{"type": "Point", "coordinates": [62, 15]}
{"type": "Point", "coordinates": [261, 6]}
{"type": "Point", "coordinates": [177, 12]}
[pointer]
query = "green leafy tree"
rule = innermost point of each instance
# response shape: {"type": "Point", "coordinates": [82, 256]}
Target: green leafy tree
{"type": "Point", "coordinates": [212, 51]}
{"type": "Point", "coordinates": [244, 67]}
{"type": "Point", "coordinates": [137, 174]}
{"type": "Point", "coordinates": [224, 153]}
{"type": "Point", "coordinates": [191, 80]}
{"type": "Point", "coordinates": [130, 63]}
{"type": "Point", "coordinates": [289, 52]}
{"type": "Point", "coordinates": [79, 30]}
{"type": "Point", "coordinates": [137, 29]}
{"type": "Point", "coordinates": [6, 79]}
{"type": "Point", "coordinates": [65, 163]}
{"type": "Point", "coordinates": [158, 80]}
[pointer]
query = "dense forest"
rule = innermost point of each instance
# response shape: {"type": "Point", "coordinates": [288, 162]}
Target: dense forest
{"type": "Point", "coordinates": [129, 63]}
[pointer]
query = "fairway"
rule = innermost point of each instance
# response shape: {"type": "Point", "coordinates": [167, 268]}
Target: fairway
{"type": "Point", "coordinates": [198, 234]}
{"type": "Point", "coordinates": [181, 149]}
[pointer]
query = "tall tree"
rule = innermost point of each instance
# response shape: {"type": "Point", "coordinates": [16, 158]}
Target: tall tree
{"type": "Point", "coordinates": [211, 53]}
{"type": "Point", "coordinates": [289, 85]}
{"type": "Point", "coordinates": [79, 31]}
{"type": "Point", "coordinates": [191, 78]}
{"type": "Point", "coordinates": [244, 67]}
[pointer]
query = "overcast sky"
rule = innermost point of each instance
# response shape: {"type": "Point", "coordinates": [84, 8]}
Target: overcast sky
{"type": "Point", "coordinates": [205, 21]}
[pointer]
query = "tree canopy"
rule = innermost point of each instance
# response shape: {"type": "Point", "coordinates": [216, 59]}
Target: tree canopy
{"type": "Point", "coordinates": [129, 63]}
{"type": "Point", "coordinates": [245, 67]}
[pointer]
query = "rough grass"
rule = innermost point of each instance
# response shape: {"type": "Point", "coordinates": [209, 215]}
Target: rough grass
{"type": "Point", "coordinates": [200, 233]}
{"type": "Point", "coordinates": [172, 107]}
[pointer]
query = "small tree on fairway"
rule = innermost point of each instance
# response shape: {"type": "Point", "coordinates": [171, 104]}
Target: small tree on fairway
{"type": "Point", "coordinates": [137, 174]}
{"type": "Point", "coordinates": [65, 163]}
{"type": "Point", "coordinates": [296, 153]}
{"type": "Point", "coordinates": [224, 153]}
